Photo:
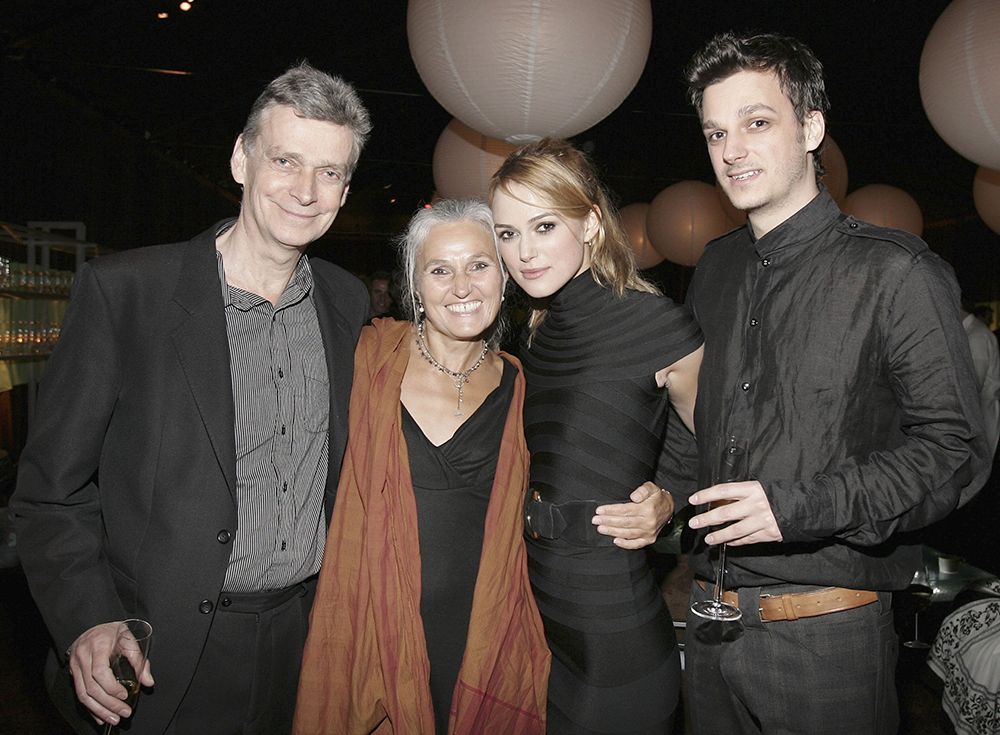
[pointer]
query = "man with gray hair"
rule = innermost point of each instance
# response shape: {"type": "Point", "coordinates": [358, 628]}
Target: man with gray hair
{"type": "Point", "coordinates": [189, 434]}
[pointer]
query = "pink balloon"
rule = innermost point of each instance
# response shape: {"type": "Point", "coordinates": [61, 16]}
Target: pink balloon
{"type": "Point", "coordinates": [683, 218]}
{"type": "Point", "coordinates": [886, 206]}
{"type": "Point", "coordinates": [519, 70]}
{"type": "Point", "coordinates": [986, 194]}
{"type": "Point", "coordinates": [464, 161]}
{"type": "Point", "coordinates": [960, 79]}
{"type": "Point", "coordinates": [633, 219]}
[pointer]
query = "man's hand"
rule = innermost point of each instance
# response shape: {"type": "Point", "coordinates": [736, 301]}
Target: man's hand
{"type": "Point", "coordinates": [747, 511]}
{"type": "Point", "coordinates": [637, 524]}
{"type": "Point", "coordinates": [96, 686]}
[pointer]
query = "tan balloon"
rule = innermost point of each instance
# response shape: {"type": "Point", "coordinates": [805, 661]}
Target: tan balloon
{"type": "Point", "coordinates": [464, 161]}
{"type": "Point", "coordinates": [960, 79]}
{"type": "Point", "coordinates": [986, 194]}
{"type": "Point", "coordinates": [886, 206]}
{"type": "Point", "coordinates": [835, 178]}
{"type": "Point", "coordinates": [634, 222]}
{"type": "Point", "coordinates": [519, 70]}
{"type": "Point", "coordinates": [683, 218]}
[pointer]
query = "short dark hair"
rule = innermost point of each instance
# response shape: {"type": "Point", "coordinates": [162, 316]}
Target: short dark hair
{"type": "Point", "coordinates": [799, 72]}
{"type": "Point", "coordinates": [315, 95]}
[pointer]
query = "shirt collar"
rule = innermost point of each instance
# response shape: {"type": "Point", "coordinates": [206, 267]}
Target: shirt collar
{"type": "Point", "coordinates": [802, 227]}
{"type": "Point", "coordinates": [299, 285]}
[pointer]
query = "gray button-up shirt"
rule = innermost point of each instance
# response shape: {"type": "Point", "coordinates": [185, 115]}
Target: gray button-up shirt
{"type": "Point", "coordinates": [281, 395]}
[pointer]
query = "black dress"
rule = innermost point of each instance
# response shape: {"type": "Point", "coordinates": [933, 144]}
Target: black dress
{"type": "Point", "coordinates": [594, 422]}
{"type": "Point", "coordinates": [452, 484]}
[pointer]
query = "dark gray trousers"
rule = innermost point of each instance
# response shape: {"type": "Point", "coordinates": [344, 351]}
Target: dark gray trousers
{"type": "Point", "coordinates": [828, 674]}
{"type": "Point", "coordinates": [248, 674]}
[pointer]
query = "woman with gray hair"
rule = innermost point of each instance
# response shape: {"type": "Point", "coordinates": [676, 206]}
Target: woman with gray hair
{"type": "Point", "coordinates": [424, 621]}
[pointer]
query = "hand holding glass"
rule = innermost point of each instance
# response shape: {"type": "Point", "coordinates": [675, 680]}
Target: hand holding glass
{"type": "Point", "coordinates": [733, 458]}
{"type": "Point", "coordinates": [128, 658]}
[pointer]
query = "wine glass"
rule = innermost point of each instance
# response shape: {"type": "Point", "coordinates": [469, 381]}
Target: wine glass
{"type": "Point", "coordinates": [921, 595]}
{"type": "Point", "coordinates": [733, 461]}
{"type": "Point", "coordinates": [921, 590]}
{"type": "Point", "coordinates": [128, 657]}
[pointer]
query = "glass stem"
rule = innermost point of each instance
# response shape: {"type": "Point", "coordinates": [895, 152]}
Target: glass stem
{"type": "Point", "coordinates": [720, 574]}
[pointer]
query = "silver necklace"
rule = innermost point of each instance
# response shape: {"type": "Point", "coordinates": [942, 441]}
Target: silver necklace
{"type": "Point", "coordinates": [460, 378]}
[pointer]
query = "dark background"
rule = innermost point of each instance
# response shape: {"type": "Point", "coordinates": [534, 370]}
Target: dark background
{"type": "Point", "coordinates": [93, 132]}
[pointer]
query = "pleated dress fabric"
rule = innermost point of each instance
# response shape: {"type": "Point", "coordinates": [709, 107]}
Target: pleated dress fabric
{"type": "Point", "coordinates": [452, 484]}
{"type": "Point", "coordinates": [594, 423]}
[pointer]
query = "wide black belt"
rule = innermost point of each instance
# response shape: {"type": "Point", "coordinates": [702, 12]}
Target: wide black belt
{"type": "Point", "coordinates": [569, 521]}
{"type": "Point", "coordinates": [257, 602]}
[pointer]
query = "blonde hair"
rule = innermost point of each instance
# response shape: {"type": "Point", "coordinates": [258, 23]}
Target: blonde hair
{"type": "Point", "coordinates": [567, 180]}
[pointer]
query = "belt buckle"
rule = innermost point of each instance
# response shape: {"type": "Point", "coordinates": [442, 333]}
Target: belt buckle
{"type": "Point", "coordinates": [760, 609]}
{"type": "Point", "coordinates": [535, 497]}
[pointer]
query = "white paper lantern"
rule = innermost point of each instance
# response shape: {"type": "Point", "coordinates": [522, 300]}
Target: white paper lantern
{"type": "Point", "coordinates": [960, 79]}
{"type": "Point", "coordinates": [683, 218]}
{"type": "Point", "coordinates": [519, 70]}
{"type": "Point", "coordinates": [986, 194]}
{"type": "Point", "coordinates": [633, 219]}
{"type": "Point", "coordinates": [464, 161]}
{"type": "Point", "coordinates": [886, 206]}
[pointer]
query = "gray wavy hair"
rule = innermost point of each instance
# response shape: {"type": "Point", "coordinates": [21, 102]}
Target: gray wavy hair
{"type": "Point", "coordinates": [315, 95]}
{"type": "Point", "coordinates": [410, 242]}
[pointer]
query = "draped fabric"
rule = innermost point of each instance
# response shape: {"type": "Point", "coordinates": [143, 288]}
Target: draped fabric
{"type": "Point", "coordinates": [594, 421]}
{"type": "Point", "coordinates": [365, 667]}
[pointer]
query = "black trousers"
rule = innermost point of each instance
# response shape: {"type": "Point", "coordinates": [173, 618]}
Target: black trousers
{"type": "Point", "coordinates": [248, 674]}
{"type": "Point", "coordinates": [827, 675]}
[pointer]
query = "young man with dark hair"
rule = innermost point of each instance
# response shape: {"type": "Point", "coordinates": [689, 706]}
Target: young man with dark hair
{"type": "Point", "coordinates": [835, 360]}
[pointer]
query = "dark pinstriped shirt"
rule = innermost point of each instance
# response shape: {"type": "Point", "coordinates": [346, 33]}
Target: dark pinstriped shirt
{"type": "Point", "coordinates": [281, 394]}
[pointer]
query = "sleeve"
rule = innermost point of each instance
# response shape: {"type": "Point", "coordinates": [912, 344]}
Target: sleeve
{"type": "Point", "coordinates": [57, 503]}
{"type": "Point", "coordinates": [942, 460]}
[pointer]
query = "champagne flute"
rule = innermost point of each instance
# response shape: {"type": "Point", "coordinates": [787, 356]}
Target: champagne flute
{"type": "Point", "coordinates": [128, 658]}
{"type": "Point", "coordinates": [733, 459]}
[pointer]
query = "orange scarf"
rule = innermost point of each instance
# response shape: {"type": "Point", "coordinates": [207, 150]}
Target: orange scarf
{"type": "Point", "coordinates": [365, 666]}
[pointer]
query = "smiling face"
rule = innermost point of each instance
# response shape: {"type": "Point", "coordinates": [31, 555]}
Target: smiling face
{"type": "Point", "coordinates": [759, 149]}
{"type": "Point", "coordinates": [542, 249]}
{"type": "Point", "coordinates": [294, 178]}
{"type": "Point", "coordinates": [459, 281]}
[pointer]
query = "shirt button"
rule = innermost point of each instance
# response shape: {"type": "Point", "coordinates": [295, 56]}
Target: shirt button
{"type": "Point", "coordinates": [766, 262]}
{"type": "Point", "coordinates": [754, 322]}
{"type": "Point", "coordinates": [205, 607]}
{"type": "Point", "coordinates": [745, 386]}
{"type": "Point", "coordinates": [225, 602]}
{"type": "Point", "coordinates": [223, 536]}
{"type": "Point", "coordinates": [853, 225]}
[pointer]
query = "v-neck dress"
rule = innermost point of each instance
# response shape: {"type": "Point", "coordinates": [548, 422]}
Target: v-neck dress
{"type": "Point", "coordinates": [594, 423]}
{"type": "Point", "coordinates": [452, 484]}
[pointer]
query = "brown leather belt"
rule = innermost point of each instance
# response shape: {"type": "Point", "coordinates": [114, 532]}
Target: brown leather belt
{"type": "Point", "coordinates": [795, 605]}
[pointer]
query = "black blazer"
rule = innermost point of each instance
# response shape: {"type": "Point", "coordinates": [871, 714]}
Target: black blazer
{"type": "Point", "coordinates": [128, 478]}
